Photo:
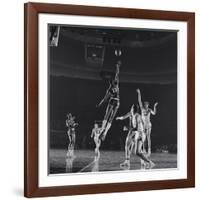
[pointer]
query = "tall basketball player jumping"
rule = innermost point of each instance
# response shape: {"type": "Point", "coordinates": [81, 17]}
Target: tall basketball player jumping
{"type": "Point", "coordinates": [112, 97]}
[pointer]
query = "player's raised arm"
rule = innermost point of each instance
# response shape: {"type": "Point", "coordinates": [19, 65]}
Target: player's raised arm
{"type": "Point", "coordinates": [139, 98]}
{"type": "Point", "coordinates": [153, 112]}
{"type": "Point", "coordinates": [117, 71]}
{"type": "Point", "coordinates": [92, 134]}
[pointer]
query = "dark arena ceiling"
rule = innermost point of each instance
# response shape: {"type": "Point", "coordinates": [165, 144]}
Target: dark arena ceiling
{"type": "Point", "coordinates": [147, 56]}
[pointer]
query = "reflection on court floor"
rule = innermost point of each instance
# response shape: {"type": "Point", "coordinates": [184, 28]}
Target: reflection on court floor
{"type": "Point", "coordinates": [85, 161]}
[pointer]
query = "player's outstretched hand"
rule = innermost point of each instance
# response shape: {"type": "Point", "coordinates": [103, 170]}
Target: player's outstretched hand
{"type": "Point", "coordinates": [118, 118]}
{"type": "Point", "coordinates": [156, 104]}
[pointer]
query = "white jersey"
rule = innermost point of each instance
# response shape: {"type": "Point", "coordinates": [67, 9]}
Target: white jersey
{"type": "Point", "coordinates": [135, 121]}
{"type": "Point", "coordinates": [146, 113]}
{"type": "Point", "coordinates": [96, 133]}
{"type": "Point", "coordinates": [139, 122]}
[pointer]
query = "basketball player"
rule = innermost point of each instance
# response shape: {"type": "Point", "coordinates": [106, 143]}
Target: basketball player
{"type": "Point", "coordinates": [146, 114]}
{"type": "Point", "coordinates": [71, 126]}
{"type": "Point", "coordinates": [112, 96]}
{"type": "Point", "coordinates": [96, 131]}
{"type": "Point", "coordinates": [135, 138]}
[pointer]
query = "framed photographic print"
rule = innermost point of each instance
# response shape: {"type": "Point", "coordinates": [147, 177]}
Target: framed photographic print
{"type": "Point", "coordinates": [109, 99]}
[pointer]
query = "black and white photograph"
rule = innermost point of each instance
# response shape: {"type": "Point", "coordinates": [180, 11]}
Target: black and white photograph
{"type": "Point", "coordinates": [112, 99]}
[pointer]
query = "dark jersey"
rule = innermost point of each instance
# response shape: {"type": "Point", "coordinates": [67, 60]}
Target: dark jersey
{"type": "Point", "coordinates": [114, 92]}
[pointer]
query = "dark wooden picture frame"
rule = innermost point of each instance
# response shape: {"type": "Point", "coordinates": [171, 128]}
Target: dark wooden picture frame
{"type": "Point", "coordinates": [31, 85]}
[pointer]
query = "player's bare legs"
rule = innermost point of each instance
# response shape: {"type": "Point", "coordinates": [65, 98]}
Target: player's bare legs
{"type": "Point", "coordinates": [106, 117]}
{"type": "Point", "coordinates": [97, 143]}
{"type": "Point", "coordinates": [69, 164]}
{"type": "Point", "coordinates": [113, 111]}
{"type": "Point", "coordinates": [128, 149]}
{"type": "Point", "coordinates": [148, 134]}
{"type": "Point", "coordinates": [69, 145]}
{"type": "Point", "coordinates": [72, 139]}
{"type": "Point", "coordinates": [139, 153]}
{"type": "Point", "coordinates": [142, 163]}
{"type": "Point", "coordinates": [73, 143]}
{"type": "Point", "coordinates": [95, 167]}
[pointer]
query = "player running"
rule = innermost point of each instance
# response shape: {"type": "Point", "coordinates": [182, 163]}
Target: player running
{"type": "Point", "coordinates": [71, 126]}
{"type": "Point", "coordinates": [112, 96]}
{"type": "Point", "coordinates": [146, 114]}
{"type": "Point", "coordinates": [135, 138]}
